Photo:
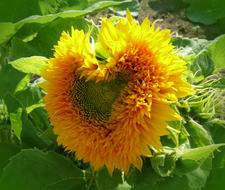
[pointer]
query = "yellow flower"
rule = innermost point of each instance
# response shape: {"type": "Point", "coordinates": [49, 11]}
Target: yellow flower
{"type": "Point", "coordinates": [109, 100]}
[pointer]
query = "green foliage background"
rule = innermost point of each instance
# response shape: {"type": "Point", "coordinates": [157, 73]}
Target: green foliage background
{"type": "Point", "coordinates": [29, 156]}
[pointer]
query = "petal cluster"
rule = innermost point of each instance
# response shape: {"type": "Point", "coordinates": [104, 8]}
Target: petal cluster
{"type": "Point", "coordinates": [109, 100]}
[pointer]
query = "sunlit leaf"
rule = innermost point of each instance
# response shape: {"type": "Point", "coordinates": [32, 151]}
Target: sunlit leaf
{"type": "Point", "coordinates": [34, 64]}
{"type": "Point", "coordinates": [199, 153]}
{"type": "Point", "coordinates": [10, 30]}
{"type": "Point", "coordinates": [23, 83]}
{"type": "Point", "coordinates": [198, 135]}
{"type": "Point", "coordinates": [216, 49]}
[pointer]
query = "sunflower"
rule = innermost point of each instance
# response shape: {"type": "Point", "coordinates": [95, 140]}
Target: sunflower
{"type": "Point", "coordinates": [109, 99]}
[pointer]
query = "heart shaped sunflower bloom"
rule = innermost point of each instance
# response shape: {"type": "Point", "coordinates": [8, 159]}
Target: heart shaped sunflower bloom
{"type": "Point", "coordinates": [109, 100]}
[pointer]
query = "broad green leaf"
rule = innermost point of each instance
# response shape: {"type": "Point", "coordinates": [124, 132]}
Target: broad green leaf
{"type": "Point", "coordinates": [189, 46]}
{"type": "Point", "coordinates": [132, 6]}
{"type": "Point", "coordinates": [31, 134]}
{"type": "Point", "coordinates": [50, 137]}
{"type": "Point", "coordinates": [216, 180]}
{"type": "Point", "coordinates": [34, 64]}
{"type": "Point", "coordinates": [12, 103]}
{"type": "Point", "coordinates": [30, 96]}
{"type": "Point", "coordinates": [71, 183]}
{"type": "Point", "coordinates": [40, 117]}
{"type": "Point", "coordinates": [10, 30]}
{"type": "Point", "coordinates": [20, 49]}
{"type": "Point", "coordinates": [216, 49]}
{"type": "Point", "coordinates": [198, 178]}
{"type": "Point", "coordinates": [105, 181]}
{"type": "Point", "coordinates": [16, 122]}
{"type": "Point", "coordinates": [209, 57]}
{"type": "Point", "coordinates": [9, 78]}
{"type": "Point", "coordinates": [49, 35]}
{"type": "Point", "coordinates": [54, 6]}
{"type": "Point", "coordinates": [148, 179]}
{"type": "Point", "coordinates": [34, 169]}
{"type": "Point", "coordinates": [6, 152]}
{"type": "Point", "coordinates": [13, 10]}
{"type": "Point", "coordinates": [199, 153]}
{"type": "Point", "coordinates": [5, 133]}
{"type": "Point", "coordinates": [198, 135]}
{"type": "Point", "coordinates": [207, 12]}
{"type": "Point", "coordinates": [195, 171]}
{"type": "Point", "coordinates": [203, 64]}
{"type": "Point", "coordinates": [217, 130]}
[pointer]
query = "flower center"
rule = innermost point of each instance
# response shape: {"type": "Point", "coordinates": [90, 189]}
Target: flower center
{"type": "Point", "coordinates": [96, 99]}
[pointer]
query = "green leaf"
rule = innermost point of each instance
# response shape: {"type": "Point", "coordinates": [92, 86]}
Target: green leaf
{"type": "Point", "coordinates": [189, 46]}
{"type": "Point", "coordinates": [199, 153]}
{"type": "Point", "coordinates": [23, 83]}
{"type": "Point", "coordinates": [8, 84]}
{"type": "Point", "coordinates": [34, 106]}
{"type": "Point", "coordinates": [31, 136]}
{"type": "Point", "coordinates": [16, 122]}
{"type": "Point", "coordinates": [148, 179]}
{"type": "Point", "coordinates": [210, 60]}
{"type": "Point", "coordinates": [71, 183]}
{"type": "Point", "coordinates": [49, 35]}
{"type": "Point", "coordinates": [34, 64]}
{"type": "Point", "coordinates": [207, 13]}
{"type": "Point", "coordinates": [30, 96]}
{"type": "Point", "coordinates": [53, 6]}
{"type": "Point", "coordinates": [35, 169]}
{"type": "Point", "coordinates": [203, 64]}
{"type": "Point", "coordinates": [12, 103]}
{"type": "Point", "coordinates": [216, 49]}
{"type": "Point", "coordinates": [6, 152]}
{"type": "Point", "coordinates": [105, 181]}
{"type": "Point", "coordinates": [132, 6]}
{"type": "Point", "coordinates": [198, 178]}
{"type": "Point", "coordinates": [217, 130]}
{"type": "Point", "coordinates": [216, 179]}
{"type": "Point", "coordinates": [40, 117]}
{"type": "Point", "coordinates": [18, 9]}
{"type": "Point", "coordinates": [9, 30]}
{"type": "Point", "coordinates": [198, 135]}
{"type": "Point", "coordinates": [20, 49]}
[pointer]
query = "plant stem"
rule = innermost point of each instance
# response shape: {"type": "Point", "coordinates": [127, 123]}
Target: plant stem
{"type": "Point", "coordinates": [91, 181]}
